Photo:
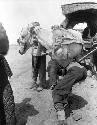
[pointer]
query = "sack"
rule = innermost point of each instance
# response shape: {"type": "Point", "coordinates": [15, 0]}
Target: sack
{"type": "Point", "coordinates": [72, 50]}
{"type": "Point", "coordinates": [4, 42]}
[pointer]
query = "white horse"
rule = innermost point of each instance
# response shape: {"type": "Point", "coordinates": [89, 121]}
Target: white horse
{"type": "Point", "coordinates": [60, 42]}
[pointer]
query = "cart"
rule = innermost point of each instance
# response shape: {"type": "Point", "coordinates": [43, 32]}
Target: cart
{"type": "Point", "coordinates": [85, 12]}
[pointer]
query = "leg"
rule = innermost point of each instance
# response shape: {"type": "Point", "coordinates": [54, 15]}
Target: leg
{"type": "Point", "coordinates": [42, 71]}
{"type": "Point", "coordinates": [9, 105]}
{"type": "Point", "coordinates": [35, 68]}
{"type": "Point", "coordinates": [64, 87]}
{"type": "Point", "coordinates": [2, 111]}
{"type": "Point", "coordinates": [95, 59]}
{"type": "Point", "coordinates": [53, 69]}
{"type": "Point", "coordinates": [93, 70]}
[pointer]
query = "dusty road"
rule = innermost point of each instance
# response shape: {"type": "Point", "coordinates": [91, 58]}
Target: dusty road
{"type": "Point", "coordinates": [36, 108]}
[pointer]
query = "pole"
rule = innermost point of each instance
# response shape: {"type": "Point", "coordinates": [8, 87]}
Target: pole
{"type": "Point", "coordinates": [95, 49]}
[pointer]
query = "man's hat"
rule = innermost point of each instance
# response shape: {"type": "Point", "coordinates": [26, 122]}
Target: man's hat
{"type": "Point", "coordinates": [34, 24]}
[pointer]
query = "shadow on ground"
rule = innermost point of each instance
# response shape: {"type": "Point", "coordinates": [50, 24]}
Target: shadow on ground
{"type": "Point", "coordinates": [23, 110]}
{"type": "Point", "coordinates": [75, 102]}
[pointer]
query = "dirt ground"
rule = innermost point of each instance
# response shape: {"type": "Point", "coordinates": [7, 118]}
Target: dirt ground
{"type": "Point", "coordinates": [36, 108]}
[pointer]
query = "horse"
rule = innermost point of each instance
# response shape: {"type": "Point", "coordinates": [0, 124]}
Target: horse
{"type": "Point", "coordinates": [24, 40]}
{"type": "Point", "coordinates": [59, 43]}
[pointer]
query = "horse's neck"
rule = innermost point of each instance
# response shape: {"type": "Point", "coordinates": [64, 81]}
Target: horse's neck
{"type": "Point", "coordinates": [45, 38]}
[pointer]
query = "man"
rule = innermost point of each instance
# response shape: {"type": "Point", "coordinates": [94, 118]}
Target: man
{"type": "Point", "coordinates": [7, 104]}
{"type": "Point", "coordinates": [74, 72]}
{"type": "Point", "coordinates": [38, 65]}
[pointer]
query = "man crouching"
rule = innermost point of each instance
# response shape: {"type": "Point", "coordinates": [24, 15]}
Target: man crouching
{"type": "Point", "coordinates": [73, 73]}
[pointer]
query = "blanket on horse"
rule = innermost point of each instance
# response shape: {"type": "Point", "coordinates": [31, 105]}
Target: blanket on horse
{"type": "Point", "coordinates": [4, 42]}
{"type": "Point", "coordinates": [60, 42]}
{"type": "Point", "coordinates": [67, 43]}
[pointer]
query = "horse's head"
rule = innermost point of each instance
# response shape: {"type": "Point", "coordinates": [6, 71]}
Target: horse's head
{"type": "Point", "coordinates": [24, 41]}
{"type": "Point", "coordinates": [27, 37]}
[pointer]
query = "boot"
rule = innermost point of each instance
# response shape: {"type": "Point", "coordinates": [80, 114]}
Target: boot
{"type": "Point", "coordinates": [34, 84]}
{"type": "Point", "coordinates": [61, 117]}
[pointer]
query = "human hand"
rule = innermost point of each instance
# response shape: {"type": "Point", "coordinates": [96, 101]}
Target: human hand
{"type": "Point", "coordinates": [52, 87]}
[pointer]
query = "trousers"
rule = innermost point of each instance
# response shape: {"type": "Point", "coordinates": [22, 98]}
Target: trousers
{"type": "Point", "coordinates": [39, 68]}
{"type": "Point", "coordinates": [55, 69]}
{"type": "Point", "coordinates": [64, 86]}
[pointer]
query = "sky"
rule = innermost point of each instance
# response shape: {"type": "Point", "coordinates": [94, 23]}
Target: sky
{"type": "Point", "coordinates": [15, 14]}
